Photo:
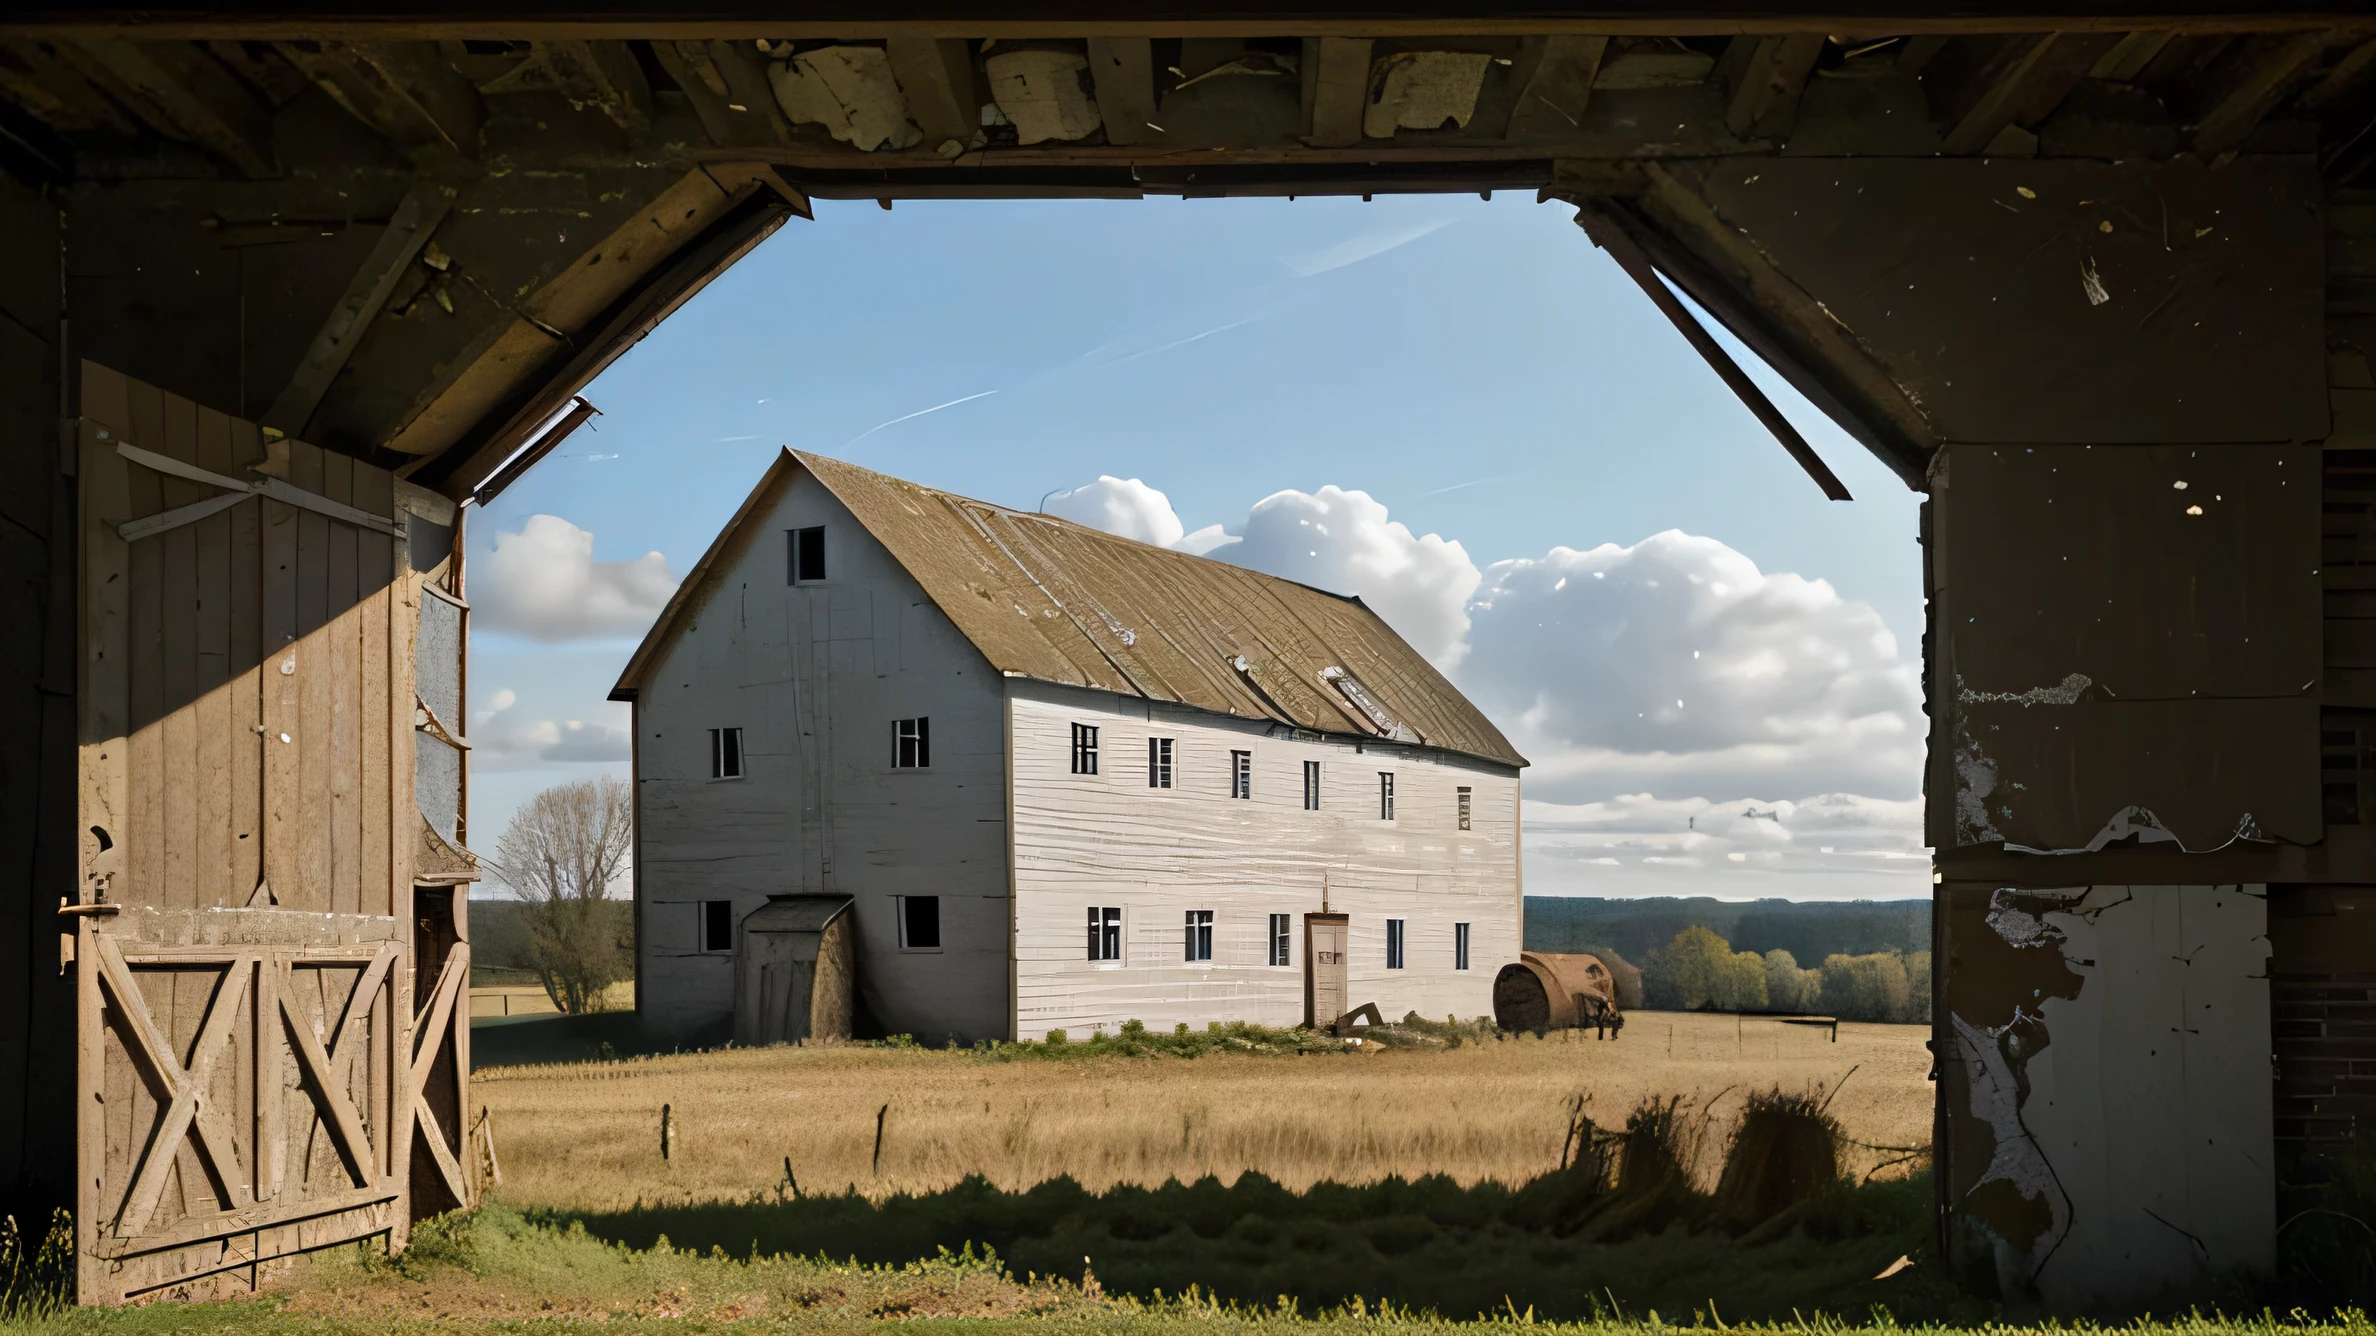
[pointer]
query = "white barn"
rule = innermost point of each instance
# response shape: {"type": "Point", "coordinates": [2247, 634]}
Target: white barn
{"type": "Point", "coordinates": [1061, 779]}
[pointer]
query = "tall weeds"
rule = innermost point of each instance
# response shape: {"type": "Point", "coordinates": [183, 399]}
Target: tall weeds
{"type": "Point", "coordinates": [36, 1273]}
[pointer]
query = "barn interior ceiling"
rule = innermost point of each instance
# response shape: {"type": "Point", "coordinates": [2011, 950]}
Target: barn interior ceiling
{"type": "Point", "coordinates": [474, 214]}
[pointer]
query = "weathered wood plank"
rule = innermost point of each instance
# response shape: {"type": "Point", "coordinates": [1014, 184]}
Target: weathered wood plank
{"type": "Point", "coordinates": [315, 669]}
{"type": "Point", "coordinates": [1559, 88]}
{"type": "Point", "coordinates": [1124, 70]}
{"type": "Point", "coordinates": [937, 76]}
{"type": "Point", "coordinates": [1339, 85]}
{"type": "Point", "coordinates": [345, 694]}
{"type": "Point", "coordinates": [283, 850]}
{"type": "Point", "coordinates": [375, 489]}
{"type": "Point", "coordinates": [144, 842]}
{"type": "Point", "coordinates": [219, 728]}
{"type": "Point", "coordinates": [178, 658]}
{"type": "Point", "coordinates": [245, 688]}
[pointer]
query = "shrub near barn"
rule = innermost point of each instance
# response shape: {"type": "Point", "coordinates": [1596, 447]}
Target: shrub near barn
{"type": "Point", "coordinates": [1699, 971]}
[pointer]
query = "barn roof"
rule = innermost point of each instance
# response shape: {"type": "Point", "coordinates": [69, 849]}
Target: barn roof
{"type": "Point", "coordinates": [1054, 601]}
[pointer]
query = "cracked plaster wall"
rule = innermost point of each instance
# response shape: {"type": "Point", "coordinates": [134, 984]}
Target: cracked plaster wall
{"type": "Point", "coordinates": [2109, 1108]}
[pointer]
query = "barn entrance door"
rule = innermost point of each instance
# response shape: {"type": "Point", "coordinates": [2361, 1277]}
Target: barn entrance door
{"type": "Point", "coordinates": [1324, 968]}
{"type": "Point", "coordinates": [241, 936]}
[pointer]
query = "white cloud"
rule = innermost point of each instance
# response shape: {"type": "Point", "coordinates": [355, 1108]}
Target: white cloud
{"type": "Point", "coordinates": [1123, 506]}
{"type": "Point", "coordinates": [1332, 539]}
{"type": "Point", "coordinates": [502, 737]}
{"type": "Point", "coordinates": [544, 583]}
{"type": "Point", "coordinates": [1676, 666]}
{"type": "Point", "coordinates": [1836, 844]}
{"type": "Point", "coordinates": [1344, 542]}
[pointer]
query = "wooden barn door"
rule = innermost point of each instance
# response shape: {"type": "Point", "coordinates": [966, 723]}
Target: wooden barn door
{"type": "Point", "coordinates": [242, 937]}
{"type": "Point", "coordinates": [1324, 968]}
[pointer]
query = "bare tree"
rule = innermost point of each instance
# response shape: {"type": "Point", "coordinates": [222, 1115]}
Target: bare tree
{"type": "Point", "coordinates": [561, 853]}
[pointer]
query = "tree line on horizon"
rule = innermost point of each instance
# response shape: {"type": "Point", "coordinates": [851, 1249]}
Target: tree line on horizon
{"type": "Point", "coordinates": [1697, 970]}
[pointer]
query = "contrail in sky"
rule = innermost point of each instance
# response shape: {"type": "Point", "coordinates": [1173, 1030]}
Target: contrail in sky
{"type": "Point", "coordinates": [917, 414]}
{"type": "Point", "coordinates": [1182, 343]}
{"type": "Point", "coordinates": [1473, 482]}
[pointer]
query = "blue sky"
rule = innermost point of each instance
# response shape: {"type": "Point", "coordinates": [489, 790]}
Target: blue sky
{"type": "Point", "coordinates": [1475, 366]}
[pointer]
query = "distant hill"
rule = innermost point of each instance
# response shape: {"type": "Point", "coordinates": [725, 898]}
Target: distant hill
{"type": "Point", "coordinates": [1808, 929]}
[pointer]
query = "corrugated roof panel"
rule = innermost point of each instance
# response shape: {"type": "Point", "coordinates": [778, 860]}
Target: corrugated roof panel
{"type": "Point", "coordinates": [1048, 599]}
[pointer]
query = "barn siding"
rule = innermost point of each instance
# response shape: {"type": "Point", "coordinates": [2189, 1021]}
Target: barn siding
{"type": "Point", "coordinates": [814, 675]}
{"type": "Point", "coordinates": [1109, 839]}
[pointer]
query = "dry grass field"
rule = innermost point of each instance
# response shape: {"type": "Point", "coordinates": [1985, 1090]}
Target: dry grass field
{"type": "Point", "coordinates": [587, 1136]}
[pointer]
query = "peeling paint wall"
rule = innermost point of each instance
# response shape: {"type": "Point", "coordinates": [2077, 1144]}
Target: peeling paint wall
{"type": "Point", "coordinates": [2108, 1132]}
{"type": "Point", "coordinates": [2147, 677]}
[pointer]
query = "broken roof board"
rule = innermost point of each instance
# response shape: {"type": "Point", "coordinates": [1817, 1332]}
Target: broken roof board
{"type": "Point", "coordinates": [1047, 599]}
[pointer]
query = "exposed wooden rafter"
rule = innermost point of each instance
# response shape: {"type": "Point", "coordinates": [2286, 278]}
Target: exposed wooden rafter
{"type": "Point", "coordinates": [1599, 223]}
{"type": "Point", "coordinates": [182, 90]}
{"type": "Point", "coordinates": [408, 230]}
{"type": "Point", "coordinates": [936, 75]}
{"type": "Point", "coordinates": [1982, 87]}
{"type": "Point", "coordinates": [864, 20]}
{"type": "Point", "coordinates": [1763, 77]}
{"type": "Point", "coordinates": [463, 471]}
{"type": "Point", "coordinates": [2250, 84]}
{"type": "Point", "coordinates": [1336, 83]}
{"type": "Point", "coordinates": [407, 91]}
{"type": "Point", "coordinates": [728, 89]}
{"type": "Point", "coordinates": [1556, 76]}
{"type": "Point", "coordinates": [603, 75]}
{"type": "Point", "coordinates": [1124, 69]}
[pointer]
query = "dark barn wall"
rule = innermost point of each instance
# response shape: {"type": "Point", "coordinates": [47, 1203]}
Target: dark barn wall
{"type": "Point", "coordinates": [37, 608]}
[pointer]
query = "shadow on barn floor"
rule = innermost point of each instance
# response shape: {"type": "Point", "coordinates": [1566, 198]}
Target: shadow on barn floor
{"type": "Point", "coordinates": [1559, 1245]}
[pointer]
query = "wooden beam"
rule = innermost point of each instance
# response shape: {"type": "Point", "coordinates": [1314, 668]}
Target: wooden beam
{"type": "Point", "coordinates": [1553, 95]}
{"type": "Point", "coordinates": [604, 75]}
{"type": "Point", "coordinates": [1338, 84]}
{"type": "Point", "coordinates": [869, 20]}
{"type": "Point", "coordinates": [458, 474]}
{"type": "Point", "coordinates": [422, 209]}
{"type": "Point", "coordinates": [1763, 77]}
{"type": "Point", "coordinates": [579, 414]}
{"type": "Point", "coordinates": [728, 92]}
{"type": "Point", "coordinates": [42, 80]}
{"type": "Point", "coordinates": [404, 90]}
{"type": "Point", "coordinates": [1629, 257]}
{"type": "Point", "coordinates": [193, 98]}
{"type": "Point", "coordinates": [2250, 84]}
{"type": "Point", "coordinates": [937, 77]}
{"type": "Point", "coordinates": [1124, 69]}
{"type": "Point", "coordinates": [1981, 86]}
{"type": "Point", "coordinates": [2129, 56]}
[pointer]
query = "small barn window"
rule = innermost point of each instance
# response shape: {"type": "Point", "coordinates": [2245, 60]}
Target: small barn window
{"type": "Point", "coordinates": [1084, 749]}
{"type": "Point", "coordinates": [1311, 786]}
{"type": "Point", "coordinates": [1385, 795]}
{"type": "Point", "coordinates": [1200, 934]}
{"type": "Point", "coordinates": [1464, 818]}
{"type": "Point", "coordinates": [806, 550]}
{"type": "Point", "coordinates": [1394, 944]}
{"type": "Point", "coordinates": [919, 923]}
{"type": "Point", "coordinates": [726, 753]}
{"type": "Point", "coordinates": [1159, 763]}
{"type": "Point", "coordinates": [1282, 937]}
{"type": "Point", "coordinates": [1105, 932]}
{"type": "Point", "coordinates": [911, 744]}
{"type": "Point", "coordinates": [717, 925]}
{"type": "Point", "coordinates": [1460, 946]}
{"type": "Point", "coordinates": [1241, 774]}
